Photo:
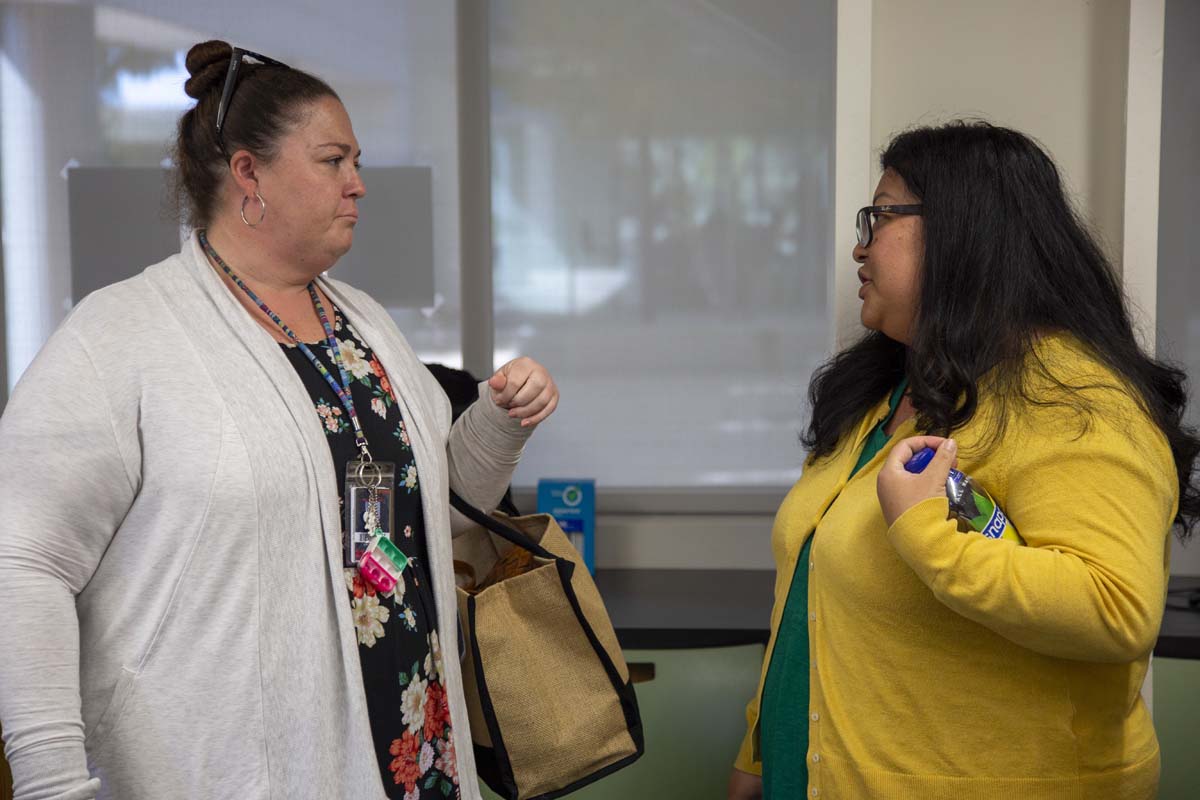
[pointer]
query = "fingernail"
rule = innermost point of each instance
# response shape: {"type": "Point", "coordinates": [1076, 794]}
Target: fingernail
{"type": "Point", "coordinates": [951, 445]}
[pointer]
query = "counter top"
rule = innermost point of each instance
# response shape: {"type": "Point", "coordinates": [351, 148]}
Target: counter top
{"type": "Point", "coordinates": [669, 608]}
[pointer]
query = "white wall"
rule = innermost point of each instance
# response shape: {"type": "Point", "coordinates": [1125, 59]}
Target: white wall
{"type": "Point", "coordinates": [1055, 71]}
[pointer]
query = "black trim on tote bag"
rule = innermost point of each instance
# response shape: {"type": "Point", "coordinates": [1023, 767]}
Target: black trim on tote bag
{"type": "Point", "coordinates": [493, 764]}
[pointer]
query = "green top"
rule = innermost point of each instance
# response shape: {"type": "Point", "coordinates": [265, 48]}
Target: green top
{"type": "Point", "coordinates": [783, 712]}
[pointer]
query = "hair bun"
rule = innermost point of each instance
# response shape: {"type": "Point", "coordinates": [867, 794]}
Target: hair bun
{"type": "Point", "coordinates": [207, 63]}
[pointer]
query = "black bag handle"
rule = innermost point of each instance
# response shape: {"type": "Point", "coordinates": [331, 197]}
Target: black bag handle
{"type": "Point", "coordinates": [506, 532]}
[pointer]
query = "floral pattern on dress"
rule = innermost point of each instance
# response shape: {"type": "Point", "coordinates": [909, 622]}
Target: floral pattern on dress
{"type": "Point", "coordinates": [383, 400]}
{"type": "Point", "coordinates": [401, 433]}
{"type": "Point", "coordinates": [405, 767]}
{"type": "Point", "coordinates": [356, 585]}
{"type": "Point", "coordinates": [433, 659]}
{"type": "Point", "coordinates": [369, 617]}
{"type": "Point", "coordinates": [408, 478]}
{"type": "Point", "coordinates": [355, 361]}
{"type": "Point", "coordinates": [446, 763]}
{"type": "Point", "coordinates": [423, 754]}
{"type": "Point", "coordinates": [410, 618]}
{"type": "Point", "coordinates": [332, 417]}
{"type": "Point", "coordinates": [412, 704]}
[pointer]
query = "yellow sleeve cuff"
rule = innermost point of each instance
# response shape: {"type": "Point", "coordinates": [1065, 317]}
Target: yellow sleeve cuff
{"type": "Point", "coordinates": [920, 533]}
{"type": "Point", "coordinates": [745, 757]}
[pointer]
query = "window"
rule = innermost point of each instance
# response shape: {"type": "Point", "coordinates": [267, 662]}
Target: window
{"type": "Point", "coordinates": [661, 193]}
{"type": "Point", "coordinates": [661, 180]}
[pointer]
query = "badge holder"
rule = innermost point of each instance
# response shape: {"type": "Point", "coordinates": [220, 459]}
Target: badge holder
{"type": "Point", "coordinates": [369, 512]}
{"type": "Point", "coordinates": [369, 544]}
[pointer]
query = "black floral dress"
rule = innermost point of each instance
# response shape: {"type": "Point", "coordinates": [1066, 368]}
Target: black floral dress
{"type": "Point", "coordinates": [397, 632]}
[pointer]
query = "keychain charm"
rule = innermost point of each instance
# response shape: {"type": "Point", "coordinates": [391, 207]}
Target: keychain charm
{"type": "Point", "coordinates": [382, 564]}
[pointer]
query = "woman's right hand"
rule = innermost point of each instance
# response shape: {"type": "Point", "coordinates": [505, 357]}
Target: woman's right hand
{"type": "Point", "coordinates": [745, 786]}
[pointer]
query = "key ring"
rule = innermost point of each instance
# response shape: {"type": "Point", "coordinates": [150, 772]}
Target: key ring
{"type": "Point", "coordinates": [378, 477]}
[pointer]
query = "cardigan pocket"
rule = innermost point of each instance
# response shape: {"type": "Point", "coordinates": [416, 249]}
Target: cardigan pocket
{"type": "Point", "coordinates": [114, 711]}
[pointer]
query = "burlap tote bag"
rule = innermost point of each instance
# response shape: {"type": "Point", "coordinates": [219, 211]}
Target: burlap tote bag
{"type": "Point", "coordinates": [548, 693]}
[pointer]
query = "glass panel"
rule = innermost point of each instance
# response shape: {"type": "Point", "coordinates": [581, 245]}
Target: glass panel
{"type": "Point", "coordinates": [661, 208]}
{"type": "Point", "coordinates": [1178, 310]}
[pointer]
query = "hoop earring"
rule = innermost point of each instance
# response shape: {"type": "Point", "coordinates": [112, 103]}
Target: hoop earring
{"type": "Point", "coordinates": [261, 216]}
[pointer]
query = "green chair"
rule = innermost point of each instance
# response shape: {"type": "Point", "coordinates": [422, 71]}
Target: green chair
{"type": "Point", "coordinates": [693, 712]}
{"type": "Point", "coordinates": [1177, 722]}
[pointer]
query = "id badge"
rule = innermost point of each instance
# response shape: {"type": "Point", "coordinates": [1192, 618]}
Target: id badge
{"type": "Point", "coordinates": [368, 501]}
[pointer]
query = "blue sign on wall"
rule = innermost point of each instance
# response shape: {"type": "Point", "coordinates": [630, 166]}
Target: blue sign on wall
{"type": "Point", "coordinates": [572, 502]}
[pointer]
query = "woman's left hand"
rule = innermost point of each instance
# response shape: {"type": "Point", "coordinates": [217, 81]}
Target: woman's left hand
{"type": "Point", "coordinates": [525, 388]}
{"type": "Point", "coordinates": [899, 490]}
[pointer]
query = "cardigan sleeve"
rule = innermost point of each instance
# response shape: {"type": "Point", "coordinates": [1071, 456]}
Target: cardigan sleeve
{"type": "Point", "coordinates": [65, 487]}
{"type": "Point", "coordinates": [483, 445]}
{"type": "Point", "coordinates": [1094, 503]}
{"type": "Point", "coordinates": [745, 760]}
{"type": "Point", "coordinates": [483, 449]}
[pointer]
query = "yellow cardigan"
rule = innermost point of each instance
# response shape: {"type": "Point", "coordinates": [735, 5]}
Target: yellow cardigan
{"type": "Point", "coordinates": [947, 666]}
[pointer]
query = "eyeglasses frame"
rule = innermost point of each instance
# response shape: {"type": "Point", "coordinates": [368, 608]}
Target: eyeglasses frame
{"type": "Point", "coordinates": [866, 212]}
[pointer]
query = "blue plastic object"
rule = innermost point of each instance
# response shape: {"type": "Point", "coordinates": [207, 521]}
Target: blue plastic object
{"type": "Point", "coordinates": [920, 461]}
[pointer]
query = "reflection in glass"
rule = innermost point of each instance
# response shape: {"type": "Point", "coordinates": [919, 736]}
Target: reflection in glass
{"type": "Point", "coordinates": [661, 214]}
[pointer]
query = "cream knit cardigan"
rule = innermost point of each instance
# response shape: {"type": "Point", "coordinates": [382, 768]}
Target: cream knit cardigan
{"type": "Point", "coordinates": [173, 613]}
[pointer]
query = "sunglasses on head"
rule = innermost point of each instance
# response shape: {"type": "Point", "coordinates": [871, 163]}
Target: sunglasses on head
{"type": "Point", "coordinates": [231, 76]}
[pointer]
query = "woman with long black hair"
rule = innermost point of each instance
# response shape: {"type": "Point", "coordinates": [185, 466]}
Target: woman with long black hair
{"type": "Point", "coordinates": [908, 659]}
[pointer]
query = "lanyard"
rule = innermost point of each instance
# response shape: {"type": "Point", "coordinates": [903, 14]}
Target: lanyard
{"type": "Point", "coordinates": [342, 391]}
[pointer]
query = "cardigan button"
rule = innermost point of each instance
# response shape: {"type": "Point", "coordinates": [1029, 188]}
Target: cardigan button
{"type": "Point", "coordinates": [815, 716]}
{"type": "Point", "coordinates": [816, 758]}
{"type": "Point", "coordinates": [815, 792]}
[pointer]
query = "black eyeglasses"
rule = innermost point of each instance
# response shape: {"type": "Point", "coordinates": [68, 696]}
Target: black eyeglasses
{"type": "Point", "coordinates": [866, 218]}
{"type": "Point", "coordinates": [235, 65]}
